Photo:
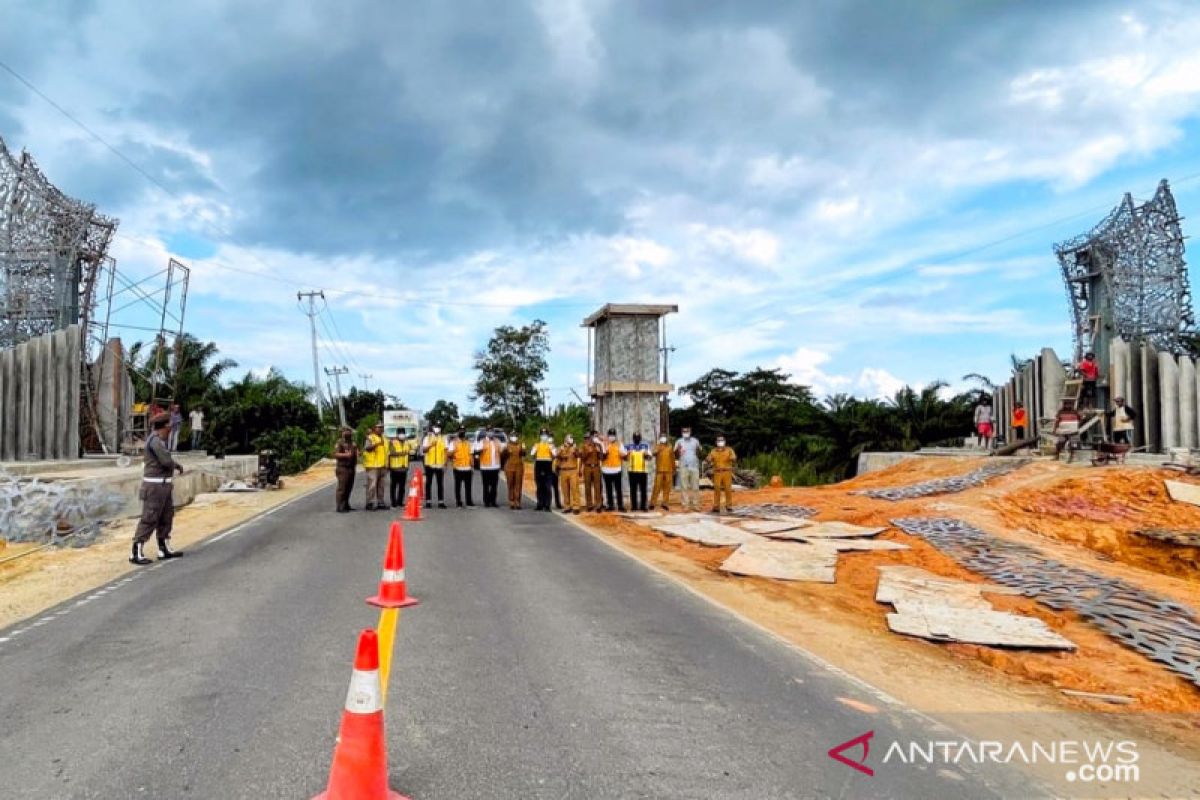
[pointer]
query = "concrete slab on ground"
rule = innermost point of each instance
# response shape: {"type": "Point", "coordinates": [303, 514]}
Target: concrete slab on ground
{"type": "Point", "coordinates": [828, 530]}
{"type": "Point", "coordinates": [706, 532]}
{"type": "Point", "coordinates": [788, 561]}
{"type": "Point", "coordinates": [942, 609]}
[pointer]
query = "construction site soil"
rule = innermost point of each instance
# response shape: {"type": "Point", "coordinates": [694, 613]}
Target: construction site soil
{"type": "Point", "coordinates": [1080, 515]}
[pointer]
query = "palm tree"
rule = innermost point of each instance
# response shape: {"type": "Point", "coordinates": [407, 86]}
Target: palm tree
{"type": "Point", "coordinates": [189, 372]}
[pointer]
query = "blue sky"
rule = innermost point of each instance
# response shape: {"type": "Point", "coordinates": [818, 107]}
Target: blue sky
{"type": "Point", "coordinates": [864, 194]}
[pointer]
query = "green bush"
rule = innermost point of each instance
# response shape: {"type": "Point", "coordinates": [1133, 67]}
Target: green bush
{"type": "Point", "coordinates": [297, 448]}
{"type": "Point", "coordinates": [792, 472]}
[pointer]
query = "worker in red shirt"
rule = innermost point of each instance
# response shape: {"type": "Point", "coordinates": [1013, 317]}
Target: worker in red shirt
{"type": "Point", "coordinates": [1020, 422]}
{"type": "Point", "coordinates": [1089, 370]}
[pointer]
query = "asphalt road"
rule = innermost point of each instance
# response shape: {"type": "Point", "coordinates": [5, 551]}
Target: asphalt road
{"type": "Point", "coordinates": [541, 663]}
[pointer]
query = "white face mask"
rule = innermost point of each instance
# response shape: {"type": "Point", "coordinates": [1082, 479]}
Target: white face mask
{"type": "Point", "coordinates": [570, 440]}
{"type": "Point", "coordinates": [662, 440]}
{"type": "Point", "coordinates": [545, 438]}
{"type": "Point", "coordinates": [687, 434]}
{"type": "Point", "coordinates": [612, 438]}
{"type": "Point", "coordinates": [436, 431]}
{"type": "Point", "coordinates": [720, 442]}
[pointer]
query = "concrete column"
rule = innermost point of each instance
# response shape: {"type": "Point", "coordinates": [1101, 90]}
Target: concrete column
{"type": "Point", "coordinates": [1189, 432]}
{"type": "Point", "coordinates": [24, 400]}
{"type": "Point", "coordinates": [71, 393]}
{"type": "Point", "coordinates": [1034, 399]}
{"type": "Point", "coordinates": [1168, 400]}
{"type": "Point", "coordinates": [1118, 382]}
{"type": "Point", "coordinates": [1151, 409]}
{"type": "Point", "coordinates": [50, 396]}
{"type": "Point", "coordinates": [1053, 379]}
{"type": "Point", "coordinates": [8, 417]}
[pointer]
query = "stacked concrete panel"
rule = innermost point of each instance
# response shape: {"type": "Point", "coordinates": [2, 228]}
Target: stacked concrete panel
{"type": "Point", "coordinates": [40, 397]}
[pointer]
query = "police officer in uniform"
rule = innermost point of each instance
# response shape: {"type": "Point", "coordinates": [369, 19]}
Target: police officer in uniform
{"type": "Point", "coordinates": [345, 456]}
{"type": "Point", "coordinates": [514, 470]}
{"type": "Point", "coordinates": [158, 507]}
{"type": "Point", "coordinates": [591, 453]}
{"type": "Point", "coordinates": [723, 460]}
{"type": "Point", "coordinates": [566, 462]}
{"type": "Point", "coordinates": [664, 473]}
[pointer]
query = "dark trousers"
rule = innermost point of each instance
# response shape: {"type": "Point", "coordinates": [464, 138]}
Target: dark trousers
{"type": "Point", "coordinates": [637, 491]}
{"type": "Point", "coordinates": [158, 513]}
{"type": "Point", "coordinates": [612, 484]}
{"type": "Point", "coordinates": [398, 478]}
{"type": "Point", "coordinates": [1121, 437]}
{"type": "Point", "coordinates": [543, 476]}
{"type": "Point", "coordinates": [1018, 433]}
{"type": "Point", "coordinates": [434, 474]}
{"type": "Point", "coordinates": [463, 477]}
{"type": "Point", "coordinates": [491, 485]}
{"type": "Point", "coordinates": [1087, 397]}
{"type": "Point", "coordinates": [345, 486]}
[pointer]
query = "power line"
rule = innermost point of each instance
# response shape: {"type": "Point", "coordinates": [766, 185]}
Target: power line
{"type": "Point", "coordinates": [332, 345]}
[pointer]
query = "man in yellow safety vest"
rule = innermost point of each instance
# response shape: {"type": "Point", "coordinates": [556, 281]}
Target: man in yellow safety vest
{"type": "Point", "coordinates": [543, 469]}
{"type": "Point", "coordinates": [610, 470]}
{"type": "Point", "coordinates": [639, 472]}
{"type": "Point", "coordinates": [464, 468]}
{"type": "Point", "coordinates": [489, 468]}
{"type": "Point", "coordinates": [375, 460]}
{"type": "Point", "coordinates": [399, 451]}
{"type": "Point", "coordinates": [433, 448]}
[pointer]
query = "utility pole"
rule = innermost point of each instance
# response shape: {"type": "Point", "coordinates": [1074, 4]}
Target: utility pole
{"type": "Point", "coordinates": [666, 353]}
{"type": "Point", "coordinates": [367, 383]}
{"type": "Point", "coordinates": [312, 323]}
{"type": "Point", "coordinates": [337, 373]}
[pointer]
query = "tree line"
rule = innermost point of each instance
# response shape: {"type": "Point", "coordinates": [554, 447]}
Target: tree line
{"type": "Point", "coordinates": [777, 426]}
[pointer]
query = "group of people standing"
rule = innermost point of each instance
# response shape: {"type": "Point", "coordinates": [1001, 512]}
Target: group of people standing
{"type": "Point", "coordinates": [1070, 416]}
{"type": "Point", "coordinates": [577, 477]}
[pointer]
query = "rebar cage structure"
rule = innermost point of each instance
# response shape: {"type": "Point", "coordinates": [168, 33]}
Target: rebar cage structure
{"type": "Point", "coordinates": [53, 253]}
{"type": "Point", "coordinates": [1127, 277]}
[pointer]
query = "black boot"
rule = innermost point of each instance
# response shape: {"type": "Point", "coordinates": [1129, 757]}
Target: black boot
{"type": "Point", "coordinates": [138, 555]}
{"type": "Point", "coordinates": [165, 552]}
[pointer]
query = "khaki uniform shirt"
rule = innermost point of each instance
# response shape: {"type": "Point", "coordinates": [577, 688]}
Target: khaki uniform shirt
{"type": "Point", "coordinates": [722, 459]}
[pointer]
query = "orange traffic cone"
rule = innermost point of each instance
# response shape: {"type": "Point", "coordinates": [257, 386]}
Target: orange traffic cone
{"type": "Point", "coordinates": [412, 506]}
{"type": "Point", "coordinates": [359, 770]}
{"type": "Point", "coordinates": [393, 592]}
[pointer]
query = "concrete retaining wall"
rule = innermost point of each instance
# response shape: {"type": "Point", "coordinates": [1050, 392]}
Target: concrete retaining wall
{"type": "Point", "coordinates": [1164, 390]}
{"type": "Point", "coordinates": [40, 397]}
{"type": "Point", "coordinates": [200, 475]}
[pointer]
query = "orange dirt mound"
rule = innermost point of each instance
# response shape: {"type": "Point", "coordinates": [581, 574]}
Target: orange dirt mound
{"type": "Point", "coordinates": [1102, 510]}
